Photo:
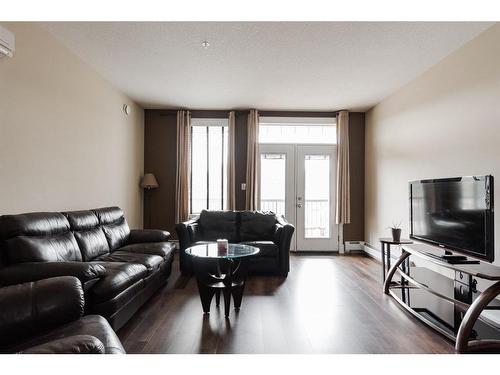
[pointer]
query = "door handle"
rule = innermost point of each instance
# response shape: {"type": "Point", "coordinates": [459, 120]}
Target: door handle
{"type": "Point", "coordinates": [299, 205]}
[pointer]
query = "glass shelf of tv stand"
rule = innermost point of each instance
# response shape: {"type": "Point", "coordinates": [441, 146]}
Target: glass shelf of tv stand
{"type": "Point", "coordinates": [439, 311]}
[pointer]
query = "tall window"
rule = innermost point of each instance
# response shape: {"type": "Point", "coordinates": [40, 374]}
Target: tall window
{"type": "Point", "coordinates": [209, 143]}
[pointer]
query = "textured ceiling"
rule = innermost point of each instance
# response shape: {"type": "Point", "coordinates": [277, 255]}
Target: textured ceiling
{"type": "Point", "coordinates": [266, 65]}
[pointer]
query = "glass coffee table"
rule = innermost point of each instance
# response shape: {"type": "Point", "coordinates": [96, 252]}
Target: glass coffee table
{"type": "Point", "coordinates": [221, 271]}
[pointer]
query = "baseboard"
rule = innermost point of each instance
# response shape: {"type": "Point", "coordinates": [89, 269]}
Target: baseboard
{"type": "Point", "coordinates": [371, 251]}
{"type": "Point", "coordinates": [374, 252]}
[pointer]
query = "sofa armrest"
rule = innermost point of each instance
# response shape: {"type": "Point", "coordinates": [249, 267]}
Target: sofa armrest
{"type": "Point", "coordinates": [148, 235]}
{"type": "Point", "coordinates": [283, 238]}
{"type": "Point", "coordinates": [30, 308]}
{"type": "Point", "coordinates": [33, 271]}
{"type": "Point", "coordinates": [77, 344]}
{"type": "Point", "coordinates": [186, 233]}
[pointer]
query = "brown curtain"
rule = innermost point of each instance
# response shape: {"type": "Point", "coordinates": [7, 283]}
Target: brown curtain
{"type": "Point", "coordinates": [343, 207]}
{"type": "Point", "coordinates": [253, 162]}
{"type": "Point", "coordinates": [231, 180]}
{"type": "Point", "coordinates": [183, 166]}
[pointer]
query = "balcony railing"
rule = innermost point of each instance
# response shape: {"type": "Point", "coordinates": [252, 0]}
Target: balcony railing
{"type": "Point", "coordinates": [275, 205]}
{"type": "Point", "coordinates": [317, 215]}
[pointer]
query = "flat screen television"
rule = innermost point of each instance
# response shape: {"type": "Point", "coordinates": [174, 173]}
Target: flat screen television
{"type": "Point", "coordinates": [455, 214]}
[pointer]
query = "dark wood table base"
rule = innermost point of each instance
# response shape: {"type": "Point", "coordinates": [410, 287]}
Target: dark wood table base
{"type": "Point", "coordinates": [221, 276]}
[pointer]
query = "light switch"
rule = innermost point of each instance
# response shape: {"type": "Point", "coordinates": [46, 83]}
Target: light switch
{"type": "Point", "coordinates": [243, 186]}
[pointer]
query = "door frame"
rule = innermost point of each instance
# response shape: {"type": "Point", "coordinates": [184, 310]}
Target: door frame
{"type": "Point", "coordinates": [291, 151]}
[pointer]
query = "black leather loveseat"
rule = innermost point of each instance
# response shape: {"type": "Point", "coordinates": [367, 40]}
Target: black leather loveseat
{"type": "Point", "coordinates": [119, 268]}
{"type": "Point", "coordinates": [45, 317]}
{"type": "Point", "coordinates": [269, 232]}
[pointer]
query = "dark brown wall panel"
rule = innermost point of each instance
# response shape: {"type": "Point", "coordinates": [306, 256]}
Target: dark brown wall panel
{"type": "Point", "coordinates": [160, 159]}
{"type": "Point", "coordinates": [241, 157]}
{"type": "Point", "coordinates": [355, 230]}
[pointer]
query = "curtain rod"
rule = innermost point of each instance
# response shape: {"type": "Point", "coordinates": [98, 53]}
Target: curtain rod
{"type": "Point", "coordinates": [203, 112]}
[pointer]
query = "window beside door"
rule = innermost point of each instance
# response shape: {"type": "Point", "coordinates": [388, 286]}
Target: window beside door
{"type": "Point", "coordinates": [209, 150]}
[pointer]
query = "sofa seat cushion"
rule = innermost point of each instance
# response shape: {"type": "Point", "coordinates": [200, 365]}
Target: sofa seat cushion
{"type": "Point", "coordinates": [267, 248]}
{"type": "Point", "coordinates": [91, 325]}
{"type": "Point", "coordinates": [163, 249]}
{"type": "Point", "coordinates": [119, 276]}
{"type": "Point", "coordinates": [77, 344]}
{"type": "Point", "coordinates": [151, 262]}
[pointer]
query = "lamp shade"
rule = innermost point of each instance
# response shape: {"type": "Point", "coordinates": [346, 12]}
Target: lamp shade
{"type": "Point", "coordinates": [149, 181]}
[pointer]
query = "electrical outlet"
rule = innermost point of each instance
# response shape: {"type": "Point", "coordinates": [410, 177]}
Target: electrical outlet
{"type": "Point", "coordinates": [243, 186]}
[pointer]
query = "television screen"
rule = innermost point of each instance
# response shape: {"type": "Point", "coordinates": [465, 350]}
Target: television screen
{"type": "Point", "coordinates": [454, 213]}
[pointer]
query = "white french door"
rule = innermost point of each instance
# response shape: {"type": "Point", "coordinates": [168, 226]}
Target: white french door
{"type": "Point", "coordinates": [298, 182]}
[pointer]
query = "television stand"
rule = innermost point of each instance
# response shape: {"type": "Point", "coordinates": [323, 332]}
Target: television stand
{"type": "Point", "coordinates": [451, 307]}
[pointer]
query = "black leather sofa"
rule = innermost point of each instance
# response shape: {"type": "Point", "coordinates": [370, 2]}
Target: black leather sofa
{"type": "Point", "coordinates": [269, 232]}
{"type": "Point", "coordinates": [46, 317]}
{"type": "Point", "coordinates": [119, 268]}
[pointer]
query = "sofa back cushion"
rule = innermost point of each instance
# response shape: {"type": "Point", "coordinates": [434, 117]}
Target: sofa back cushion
{"type": "Point", "coordinates": [37, 237]}
{"type": "Point", "coordinates": [218, 224]}
{"type": "Point", "coordinates": [88, 234]}
{"type": "Point", "coordinates": [54, 248]}
{"type": "Point", "coordinates": [114, 225]}
{"type": "Point", "coordinates": [257, 225]}
{"type": "Point", "coordinates": [33, 224]}
{"type": "Point", "coordinates": [81, 220]}
{"type": "Point", "coordinates": [92, 243]}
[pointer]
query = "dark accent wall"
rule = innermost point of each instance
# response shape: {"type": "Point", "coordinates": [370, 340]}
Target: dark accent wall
{"type": "Point", "coordinates": [160, 131]}
{"type": "Point", "coordinates": [241, 157]}
{"type": "Point", "coordinates": [355, 230]}
{"type": "Point", "coordinates": [160, 154]}
{"type": "Point", "coordinates": [160, 159]}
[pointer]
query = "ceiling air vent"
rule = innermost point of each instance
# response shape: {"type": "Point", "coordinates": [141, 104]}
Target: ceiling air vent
{"type": "Point", "coordinates": [7, 43]}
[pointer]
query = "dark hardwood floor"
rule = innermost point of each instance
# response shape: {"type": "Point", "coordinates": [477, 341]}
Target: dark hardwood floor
{"type": "Point", "coordinates": [328, 304]}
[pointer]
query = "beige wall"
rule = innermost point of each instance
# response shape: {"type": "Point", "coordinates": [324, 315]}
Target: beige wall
{"type": "Point", "coordinates": [65, 143]}
{"type": "Point", "coordinates": [445, 123]}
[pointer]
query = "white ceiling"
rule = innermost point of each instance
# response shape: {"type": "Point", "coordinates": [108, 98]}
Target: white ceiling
{"type": "Point", "coordinates": [266, 65]}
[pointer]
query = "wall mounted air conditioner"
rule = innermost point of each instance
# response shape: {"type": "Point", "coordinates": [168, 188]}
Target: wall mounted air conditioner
{"type": "Point", "coordinates": [7, 43]}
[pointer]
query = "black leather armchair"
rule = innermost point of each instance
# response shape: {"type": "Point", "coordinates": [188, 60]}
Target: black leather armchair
{"type": "Point", "coordinates": [271, 233]}
{"type": "Point", "coordinates": [46, 317]}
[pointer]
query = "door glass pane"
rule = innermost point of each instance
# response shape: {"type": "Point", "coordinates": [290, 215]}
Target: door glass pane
{"type": "Point", "coordinates": [317, 196]}
{"type": "Point", "coordinates": [273, 180]}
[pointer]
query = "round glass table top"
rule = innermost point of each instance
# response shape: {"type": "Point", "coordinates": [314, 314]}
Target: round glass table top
{"type": "Point", "coordinates": [210, 250]}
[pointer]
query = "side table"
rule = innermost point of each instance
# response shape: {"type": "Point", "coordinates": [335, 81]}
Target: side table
{"type": "Point", "coordinates": [385, 251]}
